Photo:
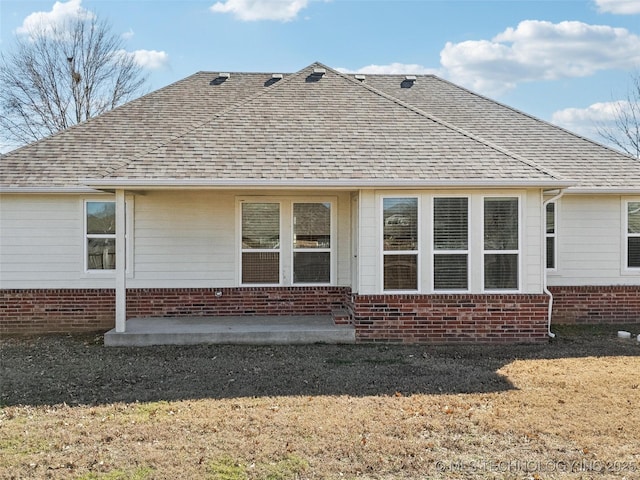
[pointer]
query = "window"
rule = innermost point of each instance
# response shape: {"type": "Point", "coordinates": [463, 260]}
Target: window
{"type": "Point", "coordinates": [501, 243]}
{"type": "Point", "coordinates": [100, 233]}
{"type": "Point", "coordinates": [633, 234]}
{"type": "Point", "coordinates": [277, 252]}
{"type": "Point", "coordinates": [311, 242]}
{"type": "Point", "coordinates": [400, 243]}
{"type": "Point", "coordinates": [550, 235]}
{"type": "Point", "coordinates": [450, 243]}
{"type": "Point", "coordinates": [261, 243]}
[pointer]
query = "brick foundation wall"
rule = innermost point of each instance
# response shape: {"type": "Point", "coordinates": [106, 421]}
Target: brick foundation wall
{"type": "Point", "coordinates": [90, 310]}
{"type": "Point", "coordinates": [150, 302]}
{"type": "Point", "coordinates": [596, 305]}
{"type": "Point", "coordinates": [56, 310]}
{"type": "Point", "coordinates": [450, 318]}
{"type": "Point", "coordinates": [377, 318]}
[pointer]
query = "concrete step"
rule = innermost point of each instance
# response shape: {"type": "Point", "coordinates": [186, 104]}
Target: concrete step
{"type": "Point", "coordinates": [254, 330]}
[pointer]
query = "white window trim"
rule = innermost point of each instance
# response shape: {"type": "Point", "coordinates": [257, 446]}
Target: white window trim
{"type": "Point", "coordinates": [553, 235]}
{"type": "Point", "coordinates": [286, 237]}
{"type": "Point", "coordinates": [417, 252]}
{"type": "Point", "coordinates": [261, 250]}
{"type": "Point", "coordinates": [331, 250]}
{"type": "Point", "coordinates": [435, 252]}
{"type": "Point", "coordinates": [129, 242]}
{"type": "Point", "coordinates": [626, 269]}
{"type": "Point", "coordinates": [503, 252]}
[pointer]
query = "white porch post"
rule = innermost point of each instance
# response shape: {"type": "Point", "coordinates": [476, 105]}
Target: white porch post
{"type": "Point", "coordinates": [121, 271]}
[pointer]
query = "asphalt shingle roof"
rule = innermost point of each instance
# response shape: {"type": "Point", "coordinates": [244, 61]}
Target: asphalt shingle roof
{"type": "Point", "coordinates": [307, 127]}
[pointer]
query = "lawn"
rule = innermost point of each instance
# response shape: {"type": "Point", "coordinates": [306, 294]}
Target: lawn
{"type": "Point", "coordinates": [71, 408]}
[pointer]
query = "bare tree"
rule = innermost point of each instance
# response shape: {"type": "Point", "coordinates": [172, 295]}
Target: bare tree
{"type": "Point", "coordinates": [60, 75]}
{"type": "Point", "coordinates": [624, 133]}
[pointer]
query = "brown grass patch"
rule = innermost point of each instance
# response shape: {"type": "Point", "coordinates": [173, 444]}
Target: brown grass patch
{"type": "Point", "coordinates": [536, 412]}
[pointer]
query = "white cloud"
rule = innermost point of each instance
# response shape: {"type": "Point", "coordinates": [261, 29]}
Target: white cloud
{"type": "Point", "coordinates": [150, 59]}
{"type": "Point", "coordinates": [539, 50]}
{"type": "Point", "coordinates": [392, 69]}
{"type": "Point", "coordinates": [60, 13]}
{"type": "Point", "coordinates": [620, 7]}
{"type": "Point", "coordinates": [586, 121]}
{"type": "Point", "coordinates": [251, 10]}
{"type": "Point", "coordinates": [128, 35]}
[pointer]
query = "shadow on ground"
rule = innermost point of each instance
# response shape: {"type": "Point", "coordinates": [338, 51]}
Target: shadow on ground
{"type": "Point", "coordinates": [79, 370]}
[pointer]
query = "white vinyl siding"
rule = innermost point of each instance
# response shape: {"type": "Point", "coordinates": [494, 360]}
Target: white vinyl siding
{"type": "Point", "coordinates": [184, 239]}
{"type": "Point", "coordinates": [591, 247]}
{"type": "Point", "coordinates": [42, 242]}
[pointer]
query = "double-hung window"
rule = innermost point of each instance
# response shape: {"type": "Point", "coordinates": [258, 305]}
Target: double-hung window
{"type": "Point", "coordinates": [100, 235]}
{"type": "Point", "coordinates": [261, 243]}
{"type": "Point", "coordinates": [450, 243]}
{"type": "Point", "coordinates": [501, 243]}
{"type": "Point", "coordinates": [277, 252]}
{"type": "Point", "coordinates": [550, 235]}
{"type": "Point", "coordinates": [312, 242]}
{"type": "Point", "coordinates": [633, 234]}
{"type": "Point", "coordinates": [400, 243]}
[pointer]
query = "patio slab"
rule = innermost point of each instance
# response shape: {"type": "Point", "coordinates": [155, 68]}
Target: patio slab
{"type": "Point", "coordinates": [251, 330]}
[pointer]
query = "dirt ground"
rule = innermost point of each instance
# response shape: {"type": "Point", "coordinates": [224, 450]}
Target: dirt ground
{"type": "Point", "coordinates": [71, 408]}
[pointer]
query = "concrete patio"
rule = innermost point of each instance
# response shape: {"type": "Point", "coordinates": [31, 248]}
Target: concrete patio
{"type": "Point", "coordinates": [251, 330]}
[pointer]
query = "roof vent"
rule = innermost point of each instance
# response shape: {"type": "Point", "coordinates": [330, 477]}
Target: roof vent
{"type": "Point", "coordinates": [221, 78]}
{"type": "Point", "coordinates": [316, 75]}
{"type": "Point", "coordinates": [360, 77]}
{"type": "Point", "coordinates": [408, 81]}
{"type": "Point", "coordinates": [275, 77]}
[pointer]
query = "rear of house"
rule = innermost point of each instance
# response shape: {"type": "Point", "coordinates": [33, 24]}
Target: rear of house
{"type": "Point", "coordinates": [410, 208]}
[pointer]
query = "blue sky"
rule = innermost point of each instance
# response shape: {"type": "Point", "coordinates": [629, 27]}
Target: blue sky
{"type": "Point", "coordinates": [562, 61]}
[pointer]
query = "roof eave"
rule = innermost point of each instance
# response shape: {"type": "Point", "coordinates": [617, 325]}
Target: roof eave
{"type": "Point", "coordinates": [50, 190]}
{"type": "Point", "coordinates": [576, 190]}
{"type": "Point", "coordinates": [339, 184]}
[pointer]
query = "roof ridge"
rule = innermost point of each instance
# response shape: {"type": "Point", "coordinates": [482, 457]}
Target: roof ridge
{"type": "Point", "coordinates": [287, 78]}
{"type": "Point", "coordinates": [450, 126]}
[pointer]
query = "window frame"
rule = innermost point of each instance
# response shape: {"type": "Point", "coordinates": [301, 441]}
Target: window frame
{"type": "Point", "coordinates": [330, 250]}
{"type": "Point", "coordinates": [517, 252]}
{"type": "Point", "coordinates": [129, 247]}
{"type": "Point", "coordinates": [417, 252]}
{"type": "Point", "coordinates": [435, 252]}
{"type": "Point", "coordinates": [553, 235]}
{"type": "Point", "coordinates": [261, 250]}
{"type": "Point", "coordinates": [626, 235]}
{"type": "Point", "coordinates": [287, 251]}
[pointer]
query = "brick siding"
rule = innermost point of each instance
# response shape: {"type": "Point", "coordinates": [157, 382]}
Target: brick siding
{"type": "Point", "coordinates": [162, 302]}
{"type": "Point", "coordinates": [377, 318]}
{"type": "Point", "coordinates": [89, 310]}
{"type": "Point", "coordinates": [450, 318]}
{"type": "Point", "coordinates": [56, 310]}
{"type": "Point", "coordinates": [593, 305]}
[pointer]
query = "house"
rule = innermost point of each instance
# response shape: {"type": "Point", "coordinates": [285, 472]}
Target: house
{"type": "Point", "coordinates": [411, 208]}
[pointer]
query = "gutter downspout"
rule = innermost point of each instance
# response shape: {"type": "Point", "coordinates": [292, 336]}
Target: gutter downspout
{"type": "Point", "coordinates": [545, 289]}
